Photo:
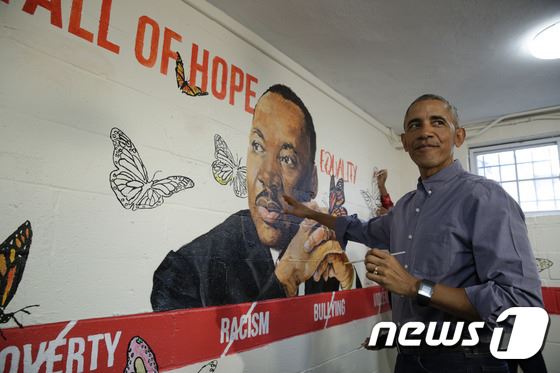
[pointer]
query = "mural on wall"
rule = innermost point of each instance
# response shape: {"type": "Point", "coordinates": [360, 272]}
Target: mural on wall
{"type": "Point", "coordinates": [122, 66]}
{"type": "Point", "coordinates": [371, 197]}
{"type": "Point", "coordinates": [543, 263]}
{"type": "Point", "coordinates": [209, 367]}
{"type": "Point", "coordinates": [233, 262]}
{"type": "Point", "coordinates": [227, 169]}
{"type": "Point", "coordinates": [130, 181]}
{"type": "Point", "coordinates": [182, 83]}
{"type": "Point", "coordinates": [13, 256]}
{"type": "Point", "coordinates": [140, 357]}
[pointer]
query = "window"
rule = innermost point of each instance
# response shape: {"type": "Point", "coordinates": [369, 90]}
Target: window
{"type": "Point", "coordinates": [529, 171]}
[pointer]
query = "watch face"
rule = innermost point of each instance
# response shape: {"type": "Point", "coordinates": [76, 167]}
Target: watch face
{"type": "Point", "coordinates": [425, 289]}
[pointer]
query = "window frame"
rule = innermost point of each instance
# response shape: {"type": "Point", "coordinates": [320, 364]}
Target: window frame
{"type": "Point", "coordinates": [476, 150]}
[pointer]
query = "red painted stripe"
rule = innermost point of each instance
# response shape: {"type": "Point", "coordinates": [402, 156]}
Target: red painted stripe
{"type": "Point", "coordinates": [551, 298]}
{"type": "Point", "coordinates": [179, 338]}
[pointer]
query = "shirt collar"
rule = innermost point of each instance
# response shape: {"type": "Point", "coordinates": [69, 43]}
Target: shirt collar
{"type": "Point", "coordinates": [444, 175]}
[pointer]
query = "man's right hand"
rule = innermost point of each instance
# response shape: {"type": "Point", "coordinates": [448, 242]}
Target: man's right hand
{"type": "Point", "coordinates": [297, 208]}
{"type": "Point", "coordinates": [300, 210]}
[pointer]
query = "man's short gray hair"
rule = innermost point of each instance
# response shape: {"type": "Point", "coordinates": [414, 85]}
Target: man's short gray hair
{"type": "Point", "coordinates": [431, 96]}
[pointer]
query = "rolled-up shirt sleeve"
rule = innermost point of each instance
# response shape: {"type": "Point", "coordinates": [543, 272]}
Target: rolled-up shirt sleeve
{"type": "Point", "coordinates": [374, 232]}
{"type": "Point", "coordinates": [503, 257]}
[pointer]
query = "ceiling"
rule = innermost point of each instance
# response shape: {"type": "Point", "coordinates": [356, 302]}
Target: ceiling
{"type": "Point", "coordinates": [382, 54]}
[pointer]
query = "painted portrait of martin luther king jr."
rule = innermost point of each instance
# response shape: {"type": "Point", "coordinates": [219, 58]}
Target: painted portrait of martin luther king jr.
{"type": "Point", "coordinates": [259, 253]}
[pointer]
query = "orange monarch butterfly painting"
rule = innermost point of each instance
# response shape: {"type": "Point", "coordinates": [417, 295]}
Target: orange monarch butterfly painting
{"type": "Point", "coordinates": [13, 255]}
{"type": "Point", "coordinates": [182, 83]}
{"type": "Point", "coordinates": [337, 198]}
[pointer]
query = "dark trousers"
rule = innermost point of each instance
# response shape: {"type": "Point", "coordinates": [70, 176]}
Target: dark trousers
{"type": "Point", "coordinates": [534, 364]}
{"type": "Point", "coordinates": [449, 362]}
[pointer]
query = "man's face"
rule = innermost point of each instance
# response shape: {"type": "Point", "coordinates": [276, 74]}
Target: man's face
{"type": "Point", "coordinates": [278, 162]}
{"type": "Point", "coordinates": [430, 136]}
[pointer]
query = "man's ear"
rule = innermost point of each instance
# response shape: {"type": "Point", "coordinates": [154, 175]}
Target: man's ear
{"type": "Point", "coordinates": [460, 136]}
{"type": "Point", "coordinates": [403, 141]}
{"type": "Point", "coordinates": [314, 184]}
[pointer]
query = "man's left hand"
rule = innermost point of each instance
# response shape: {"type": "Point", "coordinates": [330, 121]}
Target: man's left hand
{"type": "Point", "coordinates": [386, 270]}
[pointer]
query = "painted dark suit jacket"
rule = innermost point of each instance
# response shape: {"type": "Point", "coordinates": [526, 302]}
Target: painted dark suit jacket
{"type": "Point", "coordinates": [227, 265]}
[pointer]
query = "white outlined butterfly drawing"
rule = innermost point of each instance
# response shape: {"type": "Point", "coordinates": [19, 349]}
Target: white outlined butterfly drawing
{"type": "Point", "coordinates": [227, 169]}
{"type": "Point", "coordinates": [372, 196]}
{"type": "Point", "coordinates": [130, 181]}
{"type": "Point", "coordinates": [543, 263]}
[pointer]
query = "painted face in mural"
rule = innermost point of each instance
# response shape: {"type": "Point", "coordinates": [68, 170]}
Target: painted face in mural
{"type": "Point", "coordinates": [430, 135]}
{"type": "Point", "coordinates": [279, 161]}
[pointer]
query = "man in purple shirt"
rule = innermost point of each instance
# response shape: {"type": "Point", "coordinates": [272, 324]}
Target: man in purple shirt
{"type": "Point", "coordinates": [467, 253]}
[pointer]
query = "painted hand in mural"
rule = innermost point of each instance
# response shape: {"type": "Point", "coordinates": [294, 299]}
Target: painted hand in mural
{"type": "Point", "coordinates": [301, 261]}
{"type": "Point", "coordinates": [337, 266]}
{"type": "Point", "coordinates": [333, 265]}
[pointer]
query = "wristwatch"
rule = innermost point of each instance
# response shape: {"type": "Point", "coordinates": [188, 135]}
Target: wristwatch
{"type": "Point", "coordinates": [425, 291]}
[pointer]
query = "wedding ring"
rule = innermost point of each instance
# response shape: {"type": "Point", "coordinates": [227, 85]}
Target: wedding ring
{"type": "Point", "coordinates": [375, 273]}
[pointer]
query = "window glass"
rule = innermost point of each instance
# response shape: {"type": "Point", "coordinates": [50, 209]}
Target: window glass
{"type": "Point", "coordinates": [507, 158]}
{"type": "Point", "coordinates": [529, 172]}
{"type": "Point", "coordinates": [507, 173]}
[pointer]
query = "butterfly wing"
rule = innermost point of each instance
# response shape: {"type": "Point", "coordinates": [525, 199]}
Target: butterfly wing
{"type": "Point", "coordinates": [332, 187]}
{"type": "Point", "coordinates": [172, 184]}
{"type": "Point", "coordinates": [192, 90]}
{"type": "Point", "coordinates": [179, 72]}
{"type": "Point", "coordinates": [182, 83]}
{"type": "Point", "coordinates": [543, 264]}
{"type": "Point", "coordinates": [227, 170]}
{"type": "Point", "coordinates": [224, 165]}
{"type": "Point", "coordinates": [240, 182]}
{"type": "Point", "coordinates": [368, 198]}
{"type": "Point", "coordinates": [336, 198]}
{"type": "Point", "coordinates": [13, 256]}
{"type": "Point", "coordinates": [153, 196]}
{"type": "Point", "coordinates": [374, 186]}
{"type": "Point", "coordinates": [130, 177]}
